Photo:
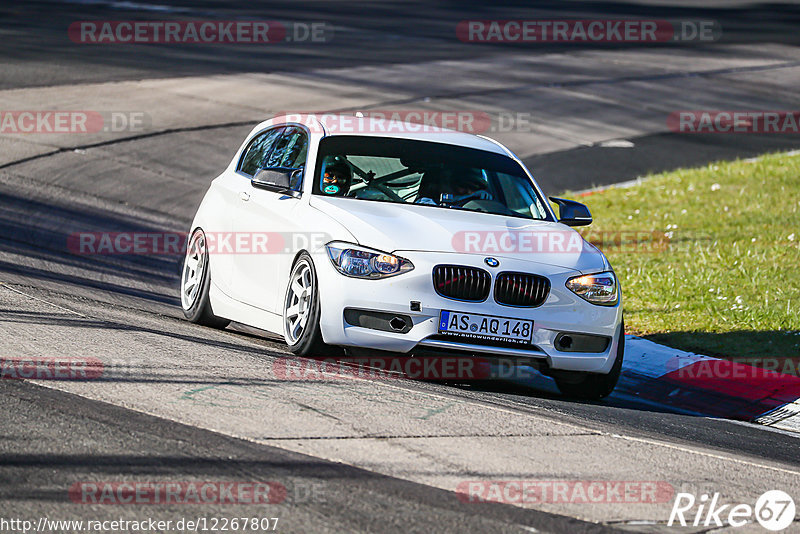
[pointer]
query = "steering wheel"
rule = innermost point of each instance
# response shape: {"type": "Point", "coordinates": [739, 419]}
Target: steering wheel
{"type": "Point", "coordinates": [386, 191]}
{"type": "Point", "coordinates": [487, 206]}
{"type": "Point", "coordinates": [474, 196]}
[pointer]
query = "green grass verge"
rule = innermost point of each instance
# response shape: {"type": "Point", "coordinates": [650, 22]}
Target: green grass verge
{"type": "Point", "coordinates": [709, 258]}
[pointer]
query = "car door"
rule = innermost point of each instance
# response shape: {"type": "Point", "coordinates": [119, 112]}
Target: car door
{"type": "Point", "coordinates": [227, 190]}
{"type": "Point", "coordinates": [267, 212]}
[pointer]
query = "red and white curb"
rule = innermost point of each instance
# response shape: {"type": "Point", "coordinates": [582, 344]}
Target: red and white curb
{"type": "Point", "coordinates": [700, 385]}
{"type": "Point", "coordinates": [710, 386]}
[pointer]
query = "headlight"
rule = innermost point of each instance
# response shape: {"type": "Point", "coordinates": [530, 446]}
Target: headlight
{"type": "Point", "coordinates": [596, 288]}
{"type": "Point", "coordinates": [360, 262]}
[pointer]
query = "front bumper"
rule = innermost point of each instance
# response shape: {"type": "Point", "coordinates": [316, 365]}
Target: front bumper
{"type": "Point", "coordinates": [563, 311]}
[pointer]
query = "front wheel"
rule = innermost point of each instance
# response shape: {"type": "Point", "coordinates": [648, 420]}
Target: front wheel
{"type": "Point", "coordinates": [196, 283]}
{"type": "Point", "coordinates": [594, 386]}
{"type": "Point", "coordinates": [301, 311]}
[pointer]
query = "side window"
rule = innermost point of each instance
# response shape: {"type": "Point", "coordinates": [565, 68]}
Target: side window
{"type": "Point", "coordinates": [258, 152]}
{"type": "Point", "coordinates": [296, 149]}
{"type": "Point", "coordinates": [290, 152]}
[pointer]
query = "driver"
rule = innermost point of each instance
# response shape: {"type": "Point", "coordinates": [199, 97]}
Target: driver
{"type": "Point", "coordinates": [336, 179]}
{"type": "Point", "coordinates": [468, 186]}
{"type": "Point", "coordinates": [457, 186]}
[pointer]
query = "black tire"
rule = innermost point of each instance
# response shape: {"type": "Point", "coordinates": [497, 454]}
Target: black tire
{"type": "Point", "coordinates": [309, 342]}
{"type": "Point", "coordinates": [594, 386]}
{"type": "Point", "coordinates": [200, 311]}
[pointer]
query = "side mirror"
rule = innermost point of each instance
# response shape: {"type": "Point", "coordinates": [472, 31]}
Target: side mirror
{"type": "Point", "coordinates": [277, 179]}
{"type": "Point", "coordinates": [572, 213]}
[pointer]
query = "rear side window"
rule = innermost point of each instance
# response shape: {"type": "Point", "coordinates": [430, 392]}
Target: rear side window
{"type": "Point", "coordinates": [257, 154]}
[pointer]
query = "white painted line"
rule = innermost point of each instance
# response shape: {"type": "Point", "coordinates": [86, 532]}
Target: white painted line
{"type": "Point", "coordinates": [704, 453]}
{"type": "Point", "coordinates": [616, 143]}
{"type": "Point", "coordinates": [786, 417]}
{"type": "Point", "coordinates": [620, 185]}
{"type": "Point", "coordinates": [42, 300]}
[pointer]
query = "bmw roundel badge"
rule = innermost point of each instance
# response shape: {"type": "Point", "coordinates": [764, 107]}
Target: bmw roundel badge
{"type": "Point", "coordinates": [491, 262]}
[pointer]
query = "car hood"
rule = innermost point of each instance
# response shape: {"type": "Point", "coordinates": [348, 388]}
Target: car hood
{"type": "Point", "coordinates": [398, 227]}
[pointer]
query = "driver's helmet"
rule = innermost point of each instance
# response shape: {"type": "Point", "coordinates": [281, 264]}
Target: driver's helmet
{"type": "Point", "coordinates": [336, 178]}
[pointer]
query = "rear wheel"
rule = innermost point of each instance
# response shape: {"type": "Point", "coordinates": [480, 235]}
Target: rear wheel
{"type": "Point", "coordinates": [301, 311]}
{"type": "Point", "coordinates": [593, 386]}
{"type": "Point", "coordinates": [196, 282]}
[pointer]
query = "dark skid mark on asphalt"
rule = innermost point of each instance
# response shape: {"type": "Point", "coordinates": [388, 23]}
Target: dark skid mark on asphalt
{"type": "Point", "coordinates": [130, 138]}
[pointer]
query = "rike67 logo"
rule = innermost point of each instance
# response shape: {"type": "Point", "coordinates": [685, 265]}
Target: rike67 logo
{"type": "Point", "coordinates": [774, 510]}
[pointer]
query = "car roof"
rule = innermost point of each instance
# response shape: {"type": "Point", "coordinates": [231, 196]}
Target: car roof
{"type": "Point", "coordinates": [338, 124]}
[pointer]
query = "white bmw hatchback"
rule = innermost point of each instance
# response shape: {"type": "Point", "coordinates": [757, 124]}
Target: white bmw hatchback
{"type": "Point", "coordinates": [388, 236]}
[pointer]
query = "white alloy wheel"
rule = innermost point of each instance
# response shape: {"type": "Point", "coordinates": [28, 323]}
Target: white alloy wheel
{"type": "Point", "coordinates": [297, 306]}
{"type": "Point", "coordinates": [194, 267]}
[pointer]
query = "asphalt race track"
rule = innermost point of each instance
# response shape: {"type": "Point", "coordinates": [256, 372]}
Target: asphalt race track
{"type": "Point", "coordinates": [180, 402]}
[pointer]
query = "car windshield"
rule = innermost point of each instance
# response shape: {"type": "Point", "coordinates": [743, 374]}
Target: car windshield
{"type": "Point", "coordinates": [425, 173]}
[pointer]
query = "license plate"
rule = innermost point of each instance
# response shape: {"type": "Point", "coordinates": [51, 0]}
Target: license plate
{"type": "Point", "coordinates": [485, 327]}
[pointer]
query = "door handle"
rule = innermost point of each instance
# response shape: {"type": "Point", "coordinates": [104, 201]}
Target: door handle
{"type": "Point", "coordinates": [244, 195]}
